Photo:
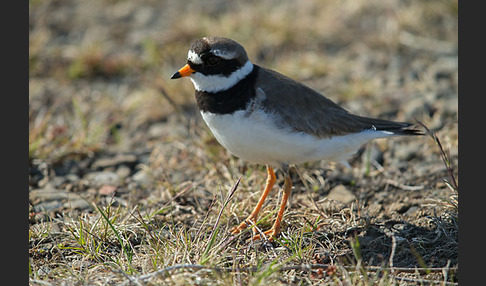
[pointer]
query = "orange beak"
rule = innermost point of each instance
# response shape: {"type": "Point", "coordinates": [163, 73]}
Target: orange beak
{"type": "Point", "coordinates": [184, 71]}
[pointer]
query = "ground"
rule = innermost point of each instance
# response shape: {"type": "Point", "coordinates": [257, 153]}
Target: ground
{"type": "Point", "coordinates": [128, 186]}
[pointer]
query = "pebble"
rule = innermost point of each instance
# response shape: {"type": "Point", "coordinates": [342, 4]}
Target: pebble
{"type": "Point", "coordinates": [375, 209]}
{"type": "Point", "coordinates": [107, 190]}
{"type": "Point", "coordinates": [142, 178]}
{"type": "Point", "coordinates": [80, 204]}
{"type": "Point", "coordinates": [50, 198]}
{"type": "Point", "coordinates": [72, 177]}
{"type": "Point", "coordinates": [118, 159]}
{"type": "Point", "coordinates": [412, 211]}
{"type": "Point", "coordinates": [341, 194]}
{"type": "Point", "coordinates": [98, 179]}
{"type": "Point", "coordinates": [123, 171]}
{"type": "Point", "coordinates": [48, 193]}
{"type": "Point", "coordinates": [57, 181]}
{"type": "Point", "coordinates": [48, 206]}
{"type": "Point", "coordinates": [398, 207]}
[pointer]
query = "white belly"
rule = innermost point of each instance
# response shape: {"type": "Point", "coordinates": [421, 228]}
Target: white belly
{"type": "Point", "coordinates": [256, 139]}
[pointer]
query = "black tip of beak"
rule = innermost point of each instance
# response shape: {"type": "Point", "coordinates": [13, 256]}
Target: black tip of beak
{"type": "Point", "coordinates": [176, 75]}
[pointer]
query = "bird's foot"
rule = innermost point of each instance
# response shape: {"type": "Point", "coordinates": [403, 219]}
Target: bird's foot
{"type": "Point", "coordinates": [244, 225]}
{"type": "Point", "coordinates": [270, 234]}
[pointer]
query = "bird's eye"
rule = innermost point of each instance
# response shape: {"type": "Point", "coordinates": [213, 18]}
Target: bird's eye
{"type": "Point", "coordinates": [213, 60]}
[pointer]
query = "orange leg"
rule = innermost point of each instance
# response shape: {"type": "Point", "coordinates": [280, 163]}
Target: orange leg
{"type": "Point", "coordinates": [254, 214]}
{"type": "Point", "coordinates": [275, 230]}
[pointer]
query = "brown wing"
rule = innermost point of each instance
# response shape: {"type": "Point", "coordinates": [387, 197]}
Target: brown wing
{"type": "Point", "coordinates": [306, 110]}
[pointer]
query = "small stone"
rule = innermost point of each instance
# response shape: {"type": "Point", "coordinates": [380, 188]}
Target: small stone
{"type": "Point", "coordinates": [116, 160]}
{"type": "Point", "coordinates": [341, 194]}
{"type": "Point", "coordinates": [398, 207]}
{"type": "Point", "coordinates": [48, 193]}
{"type": "Point", "coordinates": [72, 177]}
{"type": "Point", "coordinates": [123, 171]}
{"type": "Point", "coordinates": [107, 190]}
{"type": "Point", "coordinates": [98, 179]}
{"type": "Point", "coordinates": [48, 206]}
{"type": "Point", "coordinates": [79, 204]}
{"type": "Point", "coordinates": [412, 211]}
{"type": "Point", "coordinates": [375, 209]}
{"type": "Point", "coordinates": [142, 178]}
{"type": "Point", "coordinates": [57, 181]}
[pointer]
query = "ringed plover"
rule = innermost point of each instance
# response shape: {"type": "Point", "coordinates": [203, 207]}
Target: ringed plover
{"type": "Point", "coordinates": [264, 117]}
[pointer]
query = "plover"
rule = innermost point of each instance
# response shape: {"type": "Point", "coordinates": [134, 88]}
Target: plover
{"type": "Point", "coordinates": [262, 116]}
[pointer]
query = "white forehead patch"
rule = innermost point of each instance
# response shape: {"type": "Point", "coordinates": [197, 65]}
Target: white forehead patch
{"type": "Point", "coordinates": [223, 54]}
{"type": "Point", "coordinates": [194, 58]}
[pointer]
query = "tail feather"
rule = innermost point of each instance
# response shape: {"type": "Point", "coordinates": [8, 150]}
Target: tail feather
{"type": "Point", "coordinates": [403, 128]}
{"type": "Point", "coordinates": [397, 128]}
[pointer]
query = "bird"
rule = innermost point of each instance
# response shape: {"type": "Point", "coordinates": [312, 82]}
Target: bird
{"type": "Point", "coordinates": [265, 117]}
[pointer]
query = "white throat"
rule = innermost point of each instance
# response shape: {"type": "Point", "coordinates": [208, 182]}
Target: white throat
{"type": "Point", "coordinates": [215, 83]}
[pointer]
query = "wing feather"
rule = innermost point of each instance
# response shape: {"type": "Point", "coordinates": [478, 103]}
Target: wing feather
{"type": "Point", "coordinates": [305, 110]}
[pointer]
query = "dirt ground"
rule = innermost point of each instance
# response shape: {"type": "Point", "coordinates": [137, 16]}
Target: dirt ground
{"type": "Point", "coordinates": [110, 133]}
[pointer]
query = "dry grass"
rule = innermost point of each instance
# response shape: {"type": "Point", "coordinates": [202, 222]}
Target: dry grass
{"type": "Point", "coordinates": [99, 81]}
